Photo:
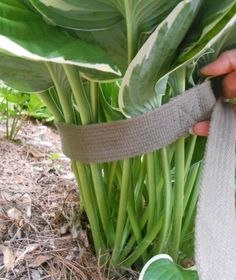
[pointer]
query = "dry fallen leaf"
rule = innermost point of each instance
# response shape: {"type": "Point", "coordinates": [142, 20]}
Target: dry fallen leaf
{"type": "Point", "coordinates": [14, 215]}
{"type": "Point", "coordinates": [39, 261]}
{"type": "Point", "coordinates": [34, 152]}
{"type": "Point", "coordinates": [8, 257]}
{"type": "Point", "coordinates": [30, 248]}
{"type": "Point", "coordinates": [35, 275]}
{"type": "Point", "coordinates": [27, 204]}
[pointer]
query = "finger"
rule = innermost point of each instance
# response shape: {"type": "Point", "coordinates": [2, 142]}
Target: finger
{"type": "Point", "coordinates": [224, 64]}
{"type": "Point", "coordinates": [229, 85]}
{"type": "Point", "coordinates": [202, 128]}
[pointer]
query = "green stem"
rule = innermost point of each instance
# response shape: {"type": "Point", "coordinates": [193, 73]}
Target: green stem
{"type": "Point", "coordinates": [7, 120]}
{"type": "Point", "coordinates": [192, 204]}
{"type": "Point", "coordinates": [80, 174]}
{"type": "Point", "coordinates": [167, 204]}
{"type": "Point", "coordinates": [111, 179]}
{"type": "Point", "coordinates": [48, 101]}
{"type": "Point", "coordinates": [79, 93]}
{"type": "Point", "coordinates": [130, 245]}
{"type": "Point", "coordinates": [131, 30]}
{"type": "Point", "coordinates": [102, 203]}
{"type": "Point", "coordinates": [151, 190]}
{"type": "Point", "coordinates": [189, 154]}
{"type": "Point", "coordinates": [65, 100]}
{"type": "Point", "coordinates": [94, 100]}
{"type": "Point", "coordinates": [179, 178]}
{"type": "Point", "coordinates": [86, 118]}
{"type": "Point", "coordinates": [143, 245]}
{"type": "Point", "coordinates": [123, 201]}
{"type": "Point", "coordinates": [13, 127]}
{"type": "Point", "coordinates": [190, 183]}
{"type": "Point", "coordinates": [140, 185]}
{"type": "Point", "coordinates": [178, 199]}
{"type": "Point", "coordinates": [135, 224]}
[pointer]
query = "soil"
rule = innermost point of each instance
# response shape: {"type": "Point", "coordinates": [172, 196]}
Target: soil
{"type": "Point", "coordinates": [43, 231]}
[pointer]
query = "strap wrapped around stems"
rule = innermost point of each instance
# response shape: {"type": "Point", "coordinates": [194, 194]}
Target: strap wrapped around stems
{"type": "Point", "coordinates": [136, 136]}
{"type": "Point", "coordinates": [215, 227]}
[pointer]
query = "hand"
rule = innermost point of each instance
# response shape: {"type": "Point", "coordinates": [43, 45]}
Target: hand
{"type": "Point", "coordinates": [225, 64]}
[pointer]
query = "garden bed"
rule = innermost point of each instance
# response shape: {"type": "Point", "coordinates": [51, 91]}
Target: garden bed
{"type": "Point", "coordinates": [39, 201]}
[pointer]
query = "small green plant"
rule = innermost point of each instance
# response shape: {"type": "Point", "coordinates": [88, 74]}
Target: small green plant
{"type": "Point", "coordinates": [12, 104]}
{"type": "Point", "coordinates": [16, 107]}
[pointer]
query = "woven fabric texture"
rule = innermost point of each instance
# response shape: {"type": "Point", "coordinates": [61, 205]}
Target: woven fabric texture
{"type": "Point", "coordinates": [136, 136]}
{"type": "Point", "coordinates": [215, 247]}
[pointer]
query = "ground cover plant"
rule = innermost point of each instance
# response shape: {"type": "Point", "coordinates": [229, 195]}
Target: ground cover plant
{"type": "Point", "coordinates": [16, 107]}
{"type": "Point", "coordinates": [101, 61]}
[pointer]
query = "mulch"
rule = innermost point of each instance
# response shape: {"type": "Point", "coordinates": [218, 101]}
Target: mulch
{"type": "Point", "coordinates": [43, 231]}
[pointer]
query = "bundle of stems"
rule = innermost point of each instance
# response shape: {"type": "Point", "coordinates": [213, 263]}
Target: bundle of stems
{"type": "Point", "coordinates": [136, 207]}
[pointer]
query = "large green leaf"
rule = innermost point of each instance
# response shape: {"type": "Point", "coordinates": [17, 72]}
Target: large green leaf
{"type": "Point", "coordinates": [77, 14]}
{"type": "Point", "coordinates": [102, 14]}
{"type": "Point", "coordinates": [113, 41]}
{"type": "Point", "coordinates": [105, 21]}
{"type": "Point", "coordinates": [162, 267]}
{"type": "Point", "coordinates": [210, 34]}
{"type": "Point", "coordinates": [24, 75]}
{"type": "Point", "coordinates": [218, 36]}
{"type": "Point", "coordinates": [23, 33]}
{"type": "Point", "coordinates": [211, 13]}
{"type": "Point", "coordinates": [144, 99]}
{"type": "Point", "coordinates": [137, 93]}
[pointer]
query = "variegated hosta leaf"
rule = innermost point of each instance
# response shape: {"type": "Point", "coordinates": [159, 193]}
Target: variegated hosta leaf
{"type": "Point", "coordinates": [102, 14]}
{"type": "Point", "coordinates": [105, 21]}
{"type": "Point", "coordinates": [208, 44]}
{"type": "Point", "coordinates": [24, 75]}
{"type": "Point", "coordinates": [216, 30]}
{"type": "Point", "coordinates": [137, 93]}
{"type": "Point", "coordinates": [23, 33]}
{"type": "Point", "coordinates": [211, 13]}
{"type": "Point", "coordinates": [79, 14]}
{"type": "Point", "coordinates": [230, 41]}
{"type": "Point", "coordinates": [192, 50]}
{"type": "Point", "coordinates": [113, 41]}
{"type": "Point", "coordinates": [161, 267]}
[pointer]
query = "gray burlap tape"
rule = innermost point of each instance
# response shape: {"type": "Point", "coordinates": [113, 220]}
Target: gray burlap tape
{"type": "Point", "coordinates": [216, 225]}
{"type": "Point", "coordinates": [136, 136]}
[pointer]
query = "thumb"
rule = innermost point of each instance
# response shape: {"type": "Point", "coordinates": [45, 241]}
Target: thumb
{"type": "Point", "coordinates": [224, 64]}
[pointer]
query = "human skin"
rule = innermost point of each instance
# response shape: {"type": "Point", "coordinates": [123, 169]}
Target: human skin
{"type": "Point", "coordinates": [225, 64]}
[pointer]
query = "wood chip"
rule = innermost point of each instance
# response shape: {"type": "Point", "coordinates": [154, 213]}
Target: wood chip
{"type": "Point", "coordinates": [8, 257]}
{"type": "Point", "coordinates": [35, 275]}
{"type": "Point", "coordinates": [30, 248]}
{"type": "Point", "coordinates": [14, 215]}
{"type": "Point", "coordinates": [39, 261]}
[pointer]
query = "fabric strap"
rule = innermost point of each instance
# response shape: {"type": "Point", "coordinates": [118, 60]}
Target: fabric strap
{"type": "Point", "coordinates": [215, 245]}
{"type": "Point", "coordinates": [136, 136]}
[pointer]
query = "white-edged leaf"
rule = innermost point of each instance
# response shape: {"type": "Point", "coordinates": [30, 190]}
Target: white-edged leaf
{"type": "Point", "coordinates": [79, 14]}
{"type": "Point", "coordinates": [209, 45]}
{"type": "Point", "coordinates": [191, 51]}
{"type": "Point", "coordinates": [24, 75]}
{"type": "Point", "coordinates": [103, 14]}
{"type": "Point", "coordinates": [24, 34]}
{"type": "Point", "coordinates": [137, 94]}
{"type": "Point", "coordinates": [162, 267]}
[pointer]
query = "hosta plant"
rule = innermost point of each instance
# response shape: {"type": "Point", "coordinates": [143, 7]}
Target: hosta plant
{"type": "Point", "coordinates": [101, 61]}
